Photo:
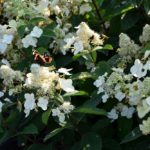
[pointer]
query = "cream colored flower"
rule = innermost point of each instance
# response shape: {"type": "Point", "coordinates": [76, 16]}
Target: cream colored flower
{"type": "Point", "coordinates": [66, 107]}
{"type": "Point", "coordinates": [84, 33]}
{"type": "Point", "coordinates": [145, 126]}
{"type": "Point", "coordinates": [143, 108]}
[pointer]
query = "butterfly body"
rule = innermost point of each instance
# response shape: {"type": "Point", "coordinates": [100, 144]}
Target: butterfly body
{"type": "Point", "coordinates": [41, 59]}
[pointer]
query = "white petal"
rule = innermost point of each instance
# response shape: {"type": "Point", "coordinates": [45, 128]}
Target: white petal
{"type": "Point", "coordinates": [36, 32]}
{"type": "Point", "coordinates": [1, 94]}
{"type": "Point", "coordinates": [3, 48]}
{"type": "Point", "coordinates": [137, 69]}
{"type": "Point", "coordinates": [64, 71]}
{"type": "Point", "coordinates": [66, 85]}
{"type": "Point", "coordinates": [1, 105]}
{"type": "Point", "coordinates": [43, 103]}
{"type": "Point", "coordinates": [7, 38]}
{"type": "Point", "coordinates": [78, 46]}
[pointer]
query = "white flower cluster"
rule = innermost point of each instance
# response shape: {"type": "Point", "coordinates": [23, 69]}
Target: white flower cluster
{"type": "Point", "coordinates": [6, 38]}
{"type": "Point", "coordinates": [46, 80]}
{"type": "Point", "coordinates": [113, 85]}
{"type": "Point", "coordinates": [124, 111]}
{"type": "Point", "coordinates": [145, 37]}
{"type": "Point", "coordinates": [84, 37]}
{"type": "Point", "coordinates": [127, 48]}
{"type": "Point", "coordinates": [43, 8]}
{"type": "Point", "coordinates": [9, 75]}
{"type": "Point", "coordinates": [65, 7]}
{"type": "Point", "coordinates": [144, 127]}
{"type": "Point", "coordinates": [18, 8]}
{"type": "Point", "coordinates": [62, 110]}
{"type": "Point", "coordinates": [31, 39]}
{"type": "Point", "coordinates": [131, 90]}
{"type": "Point", "coordinates": [41, 77]}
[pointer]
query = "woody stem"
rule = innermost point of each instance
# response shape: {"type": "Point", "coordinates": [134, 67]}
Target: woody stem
{"type": "Point", "coordinates": [98, 14]}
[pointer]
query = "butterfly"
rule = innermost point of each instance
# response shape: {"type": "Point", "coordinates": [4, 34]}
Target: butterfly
{"type": "Point", "coordinates": [41, 59]}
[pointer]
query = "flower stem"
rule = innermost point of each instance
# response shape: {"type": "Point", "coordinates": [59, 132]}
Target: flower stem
{"type": "Point", "coordinates": [98, 14]}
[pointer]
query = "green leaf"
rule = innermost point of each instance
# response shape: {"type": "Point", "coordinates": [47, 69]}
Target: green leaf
{"type": "Point", "coordinates": [147, 5]}
{"type": "Point", "coordinates": [90, 110]}
{"type": "Point", "coordinates": [11, 117]}
{"type": "Point", "coordinates": [113, 61]}
{"type": "Point", "coordinates": [53, 133]}
{"type": "Point", "coordinates": [21, 30]}
{"type": "Point", "coordinates": [100, 125]}
{"type": "Point", "coordinates": [37, 20]}
{"type": "Point", "coordinates": [146, 47]}
{"type": "Point", "coordinates": [30, 129]}
{"type": "Point", "coordinates": [43, 41]}
{"type": "Point", "coordinates": [130, 19]}
{"type": "Point", "coordinates": [75, 20]}
{"type": "Point", "coordinates": [91, 141]}
{"type": "Point", "coordinates": [77, 56]}
{"type": "Point", "coordinates": [45, 116]}
{"type": "Point", "coordinates": [97, 48]}
{"type": "Point", "coordinates": [100, 2]}
{"type": "Point", "coordinates": [108, 47]}
{"type": "Point", "coordinates": [124, 130]}
{"type": "Point", "coordinates": [114, 10]}
{"type": "Point", "coordinates": [41, 50]}
{"type": "Point", "coordinates": [49, 33]}
{"type": "Point", "coordinates": [102, 68]}
{"type": "Point", "coordinates": [76, 93]}
{"type": "Point", "coordinates": [76, 146]}
{"type": "Point", "coordinates": [82, 76]}
{"type": "Point", "coordinates": [115, 26]}
{"type": "Point", "coordinates": [40, 147]}
{"type": "Point", "coordinates": [133, 135]}
{"type": "Point", "coordinates": [141, 144]}
{"type": "Point", "coordinates": [63, 61]}
{"type": "Point", "coordinates": [7, 135]}
{"type": "Point", "coordinates": [94, 55]}
{"type": "Point", "coordinates": [110, 144]}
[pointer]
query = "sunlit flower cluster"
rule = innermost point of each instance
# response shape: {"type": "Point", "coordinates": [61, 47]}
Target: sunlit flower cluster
{"type": "Point", "coordinates": [83, 39]}
{"type": "Point", "coordinates": [129, 89]}
{"type": "Point", "coordinates": [35, 83]}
